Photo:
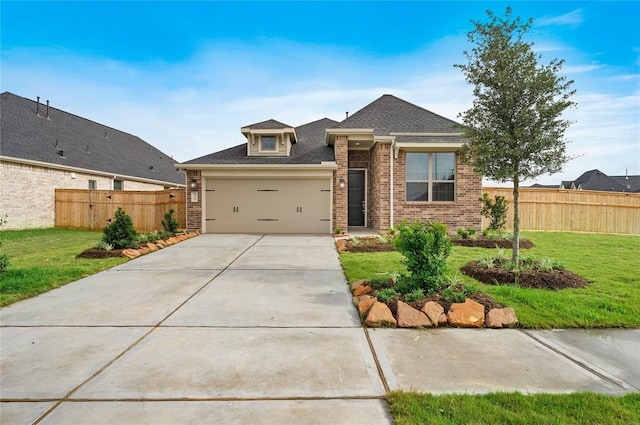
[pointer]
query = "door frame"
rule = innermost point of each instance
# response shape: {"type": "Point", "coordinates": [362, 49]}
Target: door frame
{"type": "Point", "coordinates": [366, 195]}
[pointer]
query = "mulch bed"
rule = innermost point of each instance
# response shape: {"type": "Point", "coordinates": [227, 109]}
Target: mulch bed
{"type": "Point", "coordinates": [551, 280]}
{"type": "Point", "coordinates": [482, 242]}
{"type": "Point", "coordinates": [99, 253]}
{"type": "Point", "coordinates": [370, 246]}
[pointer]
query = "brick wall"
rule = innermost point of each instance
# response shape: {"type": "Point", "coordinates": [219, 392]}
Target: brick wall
{"type": "Point", "coordinates": [27, 192]}
{"type": "Point", "coordinates": [194, 209]}
{"type": "Point", "coordinates": [463, 212]}
{"type": "Point", "coordinates": [379, 185]}
{"type": "Point", "coordinates": [340, 206]}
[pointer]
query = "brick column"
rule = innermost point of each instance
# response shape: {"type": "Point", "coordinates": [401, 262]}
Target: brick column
{"type": "Point", "coordinates": [340, 199]}
{"type": "Point", "coordinates": [194, 209]}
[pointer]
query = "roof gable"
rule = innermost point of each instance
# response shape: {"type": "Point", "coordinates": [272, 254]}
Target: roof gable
{"type": "Point", "coordinates": [597, 180]}
{"type": "Point", "coordinates": [67, 140]}
{"type": "Point", "coordinates": [267, 125]}
{"type": "Point", "coordinates": [389, 114]}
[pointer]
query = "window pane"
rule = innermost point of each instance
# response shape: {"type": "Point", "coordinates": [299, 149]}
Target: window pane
{"type": "Point", "coordinates": [117, 185]}
{"type": "Point", "coordinates": [92, 184]}
{"type": "Point", "coordinates": [417, 166]}
{"type": "Point", "coordinates": [443, 191]}
{"type": "Point", "coordinates": [444, 165]}
{"type": "Point", "coordinates": [417, 192]}
{"type": "Point", "coordinates": [268, 143]}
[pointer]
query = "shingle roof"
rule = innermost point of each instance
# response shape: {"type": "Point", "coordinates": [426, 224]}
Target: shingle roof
{"type": "Point", "coordinates": [267, 125]}
{"type": "Point", "coordinates": [597, 180]}
{"type": "Point", "coordinates": [389, 114]}
{"type": "Point", "coordinates": [631, 183]}
{"type": "Point", "coordinates": [64, 139]}
{"type": "Point", "coordinates": [310, 149]}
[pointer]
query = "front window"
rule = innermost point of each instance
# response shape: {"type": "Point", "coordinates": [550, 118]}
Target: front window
{"type": "Point", "coordinates": [92, 184]}
{"type": "Point", "coordinates": [268, 143]}
{"type": "Point", "coordinates": [431, 176]}
{"type": "Point", "coordinates": [118, 185]}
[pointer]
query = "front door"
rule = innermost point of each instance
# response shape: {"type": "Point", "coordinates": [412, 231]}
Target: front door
{"type": "Point", "coordinates": [356, 199]}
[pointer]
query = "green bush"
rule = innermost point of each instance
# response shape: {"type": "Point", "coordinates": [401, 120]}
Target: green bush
{"type": "Point", "coordinates": [495, 210]}
{"type": "Point", "coordinates": [170, 223]}
{"type": "Point", "coordinates": [387, 295]}
{"type": "Point", "coordinates": [4, 258]}
{"type": "Point", "coordinates": [120, 232]}
{"type": "Point", "coordinates": [425, 247]}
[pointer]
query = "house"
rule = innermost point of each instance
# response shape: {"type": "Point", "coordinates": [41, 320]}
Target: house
{"type": "Point", "coordinates": [388, 162]}
{"type": "Point", "coordinates": [597, 180]}
{"type": "Point", "coordinates": [43, 148]}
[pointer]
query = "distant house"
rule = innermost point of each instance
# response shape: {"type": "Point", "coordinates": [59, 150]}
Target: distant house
{"type": "Point", "coordinates": [597, 180]}
{"type": "Point", "coordinates": [390, 161]}
{"type": "Point", "coordinates": [43, 148]}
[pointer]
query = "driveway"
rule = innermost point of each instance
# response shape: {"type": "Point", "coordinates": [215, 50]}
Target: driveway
{"type": "Point", "coordinates": [258, 329]}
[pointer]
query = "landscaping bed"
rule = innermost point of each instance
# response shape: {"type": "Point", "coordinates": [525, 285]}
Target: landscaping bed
{"type": "Point", "coordinates": [483, 242]}
{"type": "Point", "coordinates": [131, 253]}
{"type": "Point", "coordinates": [539, 279]}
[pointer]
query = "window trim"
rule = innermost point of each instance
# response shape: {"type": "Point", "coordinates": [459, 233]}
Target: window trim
{"type": "Point", "coordinates": [121, 184]}
{"type": "Point", "coordinates": [430, 178]}
{"type": "Point", "coordinates": [261, 148]}
{"type": "Point", "coordinates": [93, 183]}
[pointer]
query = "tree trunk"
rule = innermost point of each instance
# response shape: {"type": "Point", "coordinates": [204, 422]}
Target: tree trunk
{"type": "Point", "coordinates": [516, 221]}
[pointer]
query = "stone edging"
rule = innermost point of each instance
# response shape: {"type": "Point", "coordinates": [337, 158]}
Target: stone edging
{"type": "Point", "coordinates": [131, 253]}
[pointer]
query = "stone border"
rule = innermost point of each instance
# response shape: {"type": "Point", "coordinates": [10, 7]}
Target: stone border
{"type": "Point", "coordinates": [149, 247]}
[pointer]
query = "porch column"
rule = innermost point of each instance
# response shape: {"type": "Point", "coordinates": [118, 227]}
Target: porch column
{"type": "Point", "coordinates": [194, 205]}
{"type": "Point", "coordinates": [340, 195]}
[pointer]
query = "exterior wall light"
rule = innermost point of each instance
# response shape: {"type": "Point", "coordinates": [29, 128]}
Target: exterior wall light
{"type": "Point", "coordinates": [341, 183]}
{"type": "Point", "coordinates": [194, 183]}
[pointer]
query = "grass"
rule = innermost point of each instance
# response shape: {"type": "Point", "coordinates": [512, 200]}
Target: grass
{"type": "Point", "coordinates": [514, 408]}
{"type": "Point", "coordinates": [44, 259]}
{"type": "Point", "coordinates": [608, 262]}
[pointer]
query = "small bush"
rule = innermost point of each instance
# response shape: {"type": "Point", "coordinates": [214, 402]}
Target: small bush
{"type": "Point", "coordinates": [104, 245]}
{"type": "Point", "coordinates": [387, 295]}
{"type": "Point", "coordinates": [450, 295]}
{"type": "Point", "coordinates": [425, 247]}
{"type": "Point", "coordinates": [170, 223]}
{"type": "Point", "coordinates": [469, 233]}
{"type": "Point", "coordinates": [4, 258]}
{"type": "Point", "coordinates": [415, 295]}
{"type": "Point", "coordinates": [120, 232]}
{"type": "Point", "coordinates": [495, 210]}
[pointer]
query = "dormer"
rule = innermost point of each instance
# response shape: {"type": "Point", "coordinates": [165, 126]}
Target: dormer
{"type": "Point", "coordinates": [269, 138]}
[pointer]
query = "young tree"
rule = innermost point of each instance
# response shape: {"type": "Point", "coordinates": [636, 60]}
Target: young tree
{"type": "Point", "coordinates": [515, 127]}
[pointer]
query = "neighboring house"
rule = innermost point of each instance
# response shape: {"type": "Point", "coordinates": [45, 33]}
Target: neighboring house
{"type": "Point", "coordinates": [43, 148]}
{"type": "Point", "coordinates": [597, 180]}
{"type": "Point", "coordinates": [388, 162]}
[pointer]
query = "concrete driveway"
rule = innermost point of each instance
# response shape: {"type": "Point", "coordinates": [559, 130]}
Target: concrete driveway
{"type": "Point", "coordinates": [260, 329]}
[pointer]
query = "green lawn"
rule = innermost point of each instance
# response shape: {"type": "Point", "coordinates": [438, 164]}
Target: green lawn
{"type": "Point", "coordinates": [608, 262]}
{"type": "Point", "coordinates": [43, 259]}
{"type": "Point", "coordinates": [514, 408]}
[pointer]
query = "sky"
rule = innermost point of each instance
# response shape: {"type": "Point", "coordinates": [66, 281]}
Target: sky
{"type": "Point", "coordinates": [186, 76]}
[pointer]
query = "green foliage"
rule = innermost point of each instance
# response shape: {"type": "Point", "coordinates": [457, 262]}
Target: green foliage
{"type": "Point", "coordinates": [387, 295]}
{"type": "Point", "coordinates": [414, 295]}
{"type": "Point", "coordinates": [104, 245]}
{"type": "Point", "coordinates": [170, 223]}
{"type": "Point", "coordinates": [450, 295]}
{"type": "Point", "coordinates": [463, 233]}
{"type": "Point", "coordinates": [425, 247]}
{"type": "Point", "coordinates": [4, 258]}
{"type": "Point", "coordinates": [120, 232]}
{"type": "Point", "coordinates": [337, 230]}
{"type": "Point", "coordinates": [495, 210]}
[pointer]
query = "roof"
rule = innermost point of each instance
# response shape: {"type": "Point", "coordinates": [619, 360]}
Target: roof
{"type": "Point", "coordinates": [597, 180]}
{"type": "Point", "coordinates": [389, 114]}
{"type": "Point", "coordinates": [267, 125]}
{"type": "Point", "coordinates": [66, 140]}
{"type": "Point", "coordinates": [630, 183]}
{"type": "Point", "coordinates": [310, 149]}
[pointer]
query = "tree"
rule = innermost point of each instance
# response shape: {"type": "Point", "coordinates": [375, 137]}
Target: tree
{"type": "Point", "coordinates": [515, 126]}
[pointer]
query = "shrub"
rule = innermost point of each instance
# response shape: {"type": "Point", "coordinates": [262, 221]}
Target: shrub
{"type": "Point", "coordinates": [415, 295]}
{"type": "Point", "coordinates": [469, 233]}
{"type": "Point", "coordinates": [425, 247]}
{"type": "Point", "coordinates": [4, 258]}
{"type": "Point", "coordinates": [104, 245]}
{"type": "Point", "coordinates": [387, 295]}
{"type": "Point", "coordinates": [495, 210]}
{"type": "Point", "coordinates": [170, 223]}
{"type": "Point", "coordinates": [120, 232]}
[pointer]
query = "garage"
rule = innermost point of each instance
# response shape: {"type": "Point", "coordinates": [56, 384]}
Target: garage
{"type": "Point", "coordinates": [268, 205]}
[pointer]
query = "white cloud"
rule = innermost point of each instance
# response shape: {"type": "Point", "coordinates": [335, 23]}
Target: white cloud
{"type": "Point", "coordinates": [573, 18]}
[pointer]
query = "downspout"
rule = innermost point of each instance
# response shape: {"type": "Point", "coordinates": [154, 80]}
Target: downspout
{"type": "Point", "coordinates": [391, 155]}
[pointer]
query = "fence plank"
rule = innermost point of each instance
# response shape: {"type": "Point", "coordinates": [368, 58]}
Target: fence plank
{"type": "Point", "coordinates": [91, 209]}
{"type": "Point", "coordinates": [573, 210]}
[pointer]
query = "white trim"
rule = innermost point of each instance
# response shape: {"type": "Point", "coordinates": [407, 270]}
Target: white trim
{"type": "Point", "coordinates": [430, 146]}
{"type": "Point", "coordinates": [428, 134]}
{"type": "Point", "coordinates": [342, 131]}
{"type": "Point", "coordinates": [87, 171]}
{"type": "Point", "coordinates": [328, 165]}
{"type": "Point", "coordinates": [391, 181]}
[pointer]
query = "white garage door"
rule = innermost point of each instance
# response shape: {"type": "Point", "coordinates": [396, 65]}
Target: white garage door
{"type": "Point", "coordinates": [268, 205]}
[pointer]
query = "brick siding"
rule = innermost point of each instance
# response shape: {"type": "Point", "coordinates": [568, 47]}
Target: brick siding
{"type": "Point", "coordinates": [194, 209]}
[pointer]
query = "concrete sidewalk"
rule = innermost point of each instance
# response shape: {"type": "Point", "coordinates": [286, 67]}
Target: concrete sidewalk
{"type": "Point", "coordinates": [250, 329]}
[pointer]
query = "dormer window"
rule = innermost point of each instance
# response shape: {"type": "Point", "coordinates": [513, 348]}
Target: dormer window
{"type": "Point", "coordinates": [268, 144]}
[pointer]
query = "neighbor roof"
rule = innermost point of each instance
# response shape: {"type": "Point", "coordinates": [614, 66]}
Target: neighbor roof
{"type": "Point", "coordinates": [267, 125]}
{"type": "Point", "coordinates": [597, 180]}
{"type": "Point", "coordinates": [310, 149]}
{"type": "Point", "coordinates": [630, 183]}
{"type": "Point", "coordinates": [67, 140]}
{"type": "Point", "coordinates": [389, 114]}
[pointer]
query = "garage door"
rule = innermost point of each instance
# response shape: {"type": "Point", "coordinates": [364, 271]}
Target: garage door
{"type": "Point", "coordinates": [268, 206]}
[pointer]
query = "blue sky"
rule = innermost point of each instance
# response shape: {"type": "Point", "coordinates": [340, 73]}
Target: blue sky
{"type": "Point", "coordinates": [185, 76]}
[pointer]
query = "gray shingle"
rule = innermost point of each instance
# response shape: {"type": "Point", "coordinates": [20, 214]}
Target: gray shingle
{"type": "Point", "coordinates": [82, 143]}
{"type": "Point", "coordinates": [267, 125]}
{"type": "Point", "coordinates": [597, 180]}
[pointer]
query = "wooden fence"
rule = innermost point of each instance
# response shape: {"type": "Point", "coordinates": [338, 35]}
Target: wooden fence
{"type": "Point", "coordinates": [91, 209]}
{"type": "Point", "coordinates": [573, 210]}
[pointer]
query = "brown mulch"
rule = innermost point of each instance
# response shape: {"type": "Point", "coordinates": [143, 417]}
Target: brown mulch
{"type": "Point", "coordinates": [370, 247]}
{"type": "Point", "coordinates": [482, 242]}
{"type": "Point", "coordinates": [551, 280]}
{"type": "Point", "coordinates": [99, 253]}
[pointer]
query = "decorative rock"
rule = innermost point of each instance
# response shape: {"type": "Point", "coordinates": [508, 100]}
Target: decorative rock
{"type": "Point", "coordinates": [130, 253]}
{"type": "Point", "coordinates": [144, 251]}
{"type": "Point", "coordinates": [442, 320]}
{"type": "Point", "coordinates": [501, 318]}
{"type": "Point", "coordinates": [360, 287]}
{"type": "Point", "coordinates": [409, 317]}
{"type": "Point", "coordinates": [341, 245]}
{"type": "Point", "coordinates": [433, 310]}
{"type": "Point", "coordinates": [469, 314]}
{"type": "Point", "coordinates": [161, 244]}
{"type": "Point", "coordinates": [364, 303]}
{"type": "Point", "coordinates": [380, 316]}
{"type": "Point", "coordinates": [152, 247]}
{"type": "Point", "coordinates": [173, 240]}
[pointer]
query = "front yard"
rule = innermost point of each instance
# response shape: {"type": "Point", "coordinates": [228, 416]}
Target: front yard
{"type": "Point", "coordinates": [607, 262]}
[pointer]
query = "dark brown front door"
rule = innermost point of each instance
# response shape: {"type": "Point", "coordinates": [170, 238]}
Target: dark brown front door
{"type": "Point", "coordinates": [356, 197]}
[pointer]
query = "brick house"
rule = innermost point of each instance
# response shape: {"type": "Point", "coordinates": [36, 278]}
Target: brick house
{"type": "Point", "coordinates": [43, 148]}
{"type": "Point", "coordinates": [388, 162]}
